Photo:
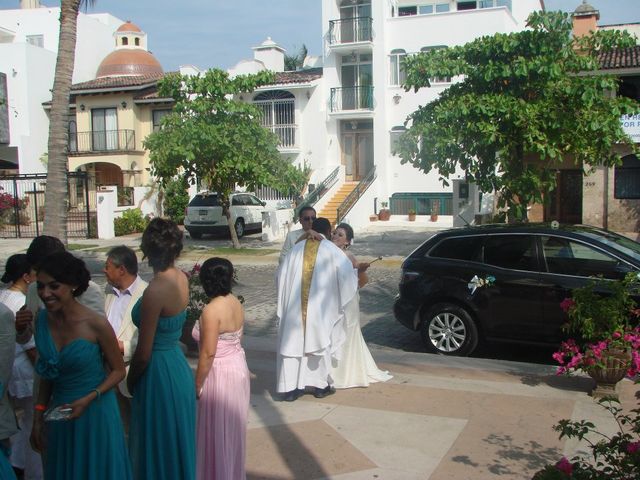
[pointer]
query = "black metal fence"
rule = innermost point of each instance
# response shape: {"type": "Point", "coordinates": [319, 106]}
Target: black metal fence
{"type": "Point", "coordinates": [22, 205]}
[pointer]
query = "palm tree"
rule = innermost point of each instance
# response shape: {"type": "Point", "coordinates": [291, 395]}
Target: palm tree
{"type": "Point", "coordinates": [57, 192]}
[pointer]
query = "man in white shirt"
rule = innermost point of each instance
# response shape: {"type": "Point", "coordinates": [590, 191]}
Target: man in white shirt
{"type": "Point", "coordinates": [307, 216]}
{"type": "Point", "coordinates": [317, 281]}
{"type": "Point", "coordinates": [122, 292]}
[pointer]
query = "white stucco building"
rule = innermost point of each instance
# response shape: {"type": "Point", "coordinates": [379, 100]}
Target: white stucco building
{"type": "Point", "coordinates": [28, 49]}
{"type": "Point", "coordinates": [348, 118]}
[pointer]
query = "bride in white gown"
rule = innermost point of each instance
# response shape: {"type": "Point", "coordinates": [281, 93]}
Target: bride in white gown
{"type": "Point", "coordinates": [356, 367]}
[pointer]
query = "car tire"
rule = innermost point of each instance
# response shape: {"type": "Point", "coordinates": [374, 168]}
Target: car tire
{"type": "Point", "coordinates": [448, 329]}
{"type": "Point", "coordinates": [195, 235]}
{"type": "Point", "coordinates": [239, 226]}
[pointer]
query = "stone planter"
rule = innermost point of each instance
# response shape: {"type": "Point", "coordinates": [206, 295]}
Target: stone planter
{"type": "Point", "coordinates": [608, 375]}
{"type": "Point", "coordinates": [373, 218]}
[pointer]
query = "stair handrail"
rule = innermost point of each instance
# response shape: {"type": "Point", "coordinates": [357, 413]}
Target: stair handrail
{"type": "Point", "coordinates": [355, 195]}
{"type": "Point", "coordinates": [312, 197]}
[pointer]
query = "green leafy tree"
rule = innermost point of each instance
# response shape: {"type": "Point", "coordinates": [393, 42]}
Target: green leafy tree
{"type": "Point", "coordinates": [217, 139]}
{"type": "Point", "coordinates": [525, 102]}
{"type": "Point", "coordinates": [176, 198]}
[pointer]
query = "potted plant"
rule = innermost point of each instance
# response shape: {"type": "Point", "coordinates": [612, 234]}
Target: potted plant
{"type": "Point", "coordinates": [606, 345]}
{"type": "Point", "coordinates": [384, 214]}
{"type": "Point", "coordinates": [435, 209]}
{"type": "Point", "coordinates": [412, 215]}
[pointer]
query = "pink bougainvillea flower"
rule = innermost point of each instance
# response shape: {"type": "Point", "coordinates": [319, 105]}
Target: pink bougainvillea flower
{"type": "Point", "coordinates": [633, 447]}
{"type": "Point", "coordinates": [567, 304]}
{"type": "Point", "coordinates": [565, 466]}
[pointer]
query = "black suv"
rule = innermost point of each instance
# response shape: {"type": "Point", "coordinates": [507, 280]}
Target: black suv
{"type": "Point", "coordinates": [503, 282]}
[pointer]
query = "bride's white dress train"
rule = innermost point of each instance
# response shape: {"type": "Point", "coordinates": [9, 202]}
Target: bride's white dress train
{"type": "Point", "coordinates": [356, 367]}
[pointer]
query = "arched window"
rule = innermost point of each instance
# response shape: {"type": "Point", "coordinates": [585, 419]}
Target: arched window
{"type": "Point", "coordinates": [397, 66]}
{"type": "Point", "coordinates": [125, 41]}
{"type": "Point", "coordinates": [436, 79]}
{"type": "Point", "coordinates": [278, 115]}
{"type": "Point", "coordinates": [627, 178]}
{"type": "Point", "coordinates": [136, 41]}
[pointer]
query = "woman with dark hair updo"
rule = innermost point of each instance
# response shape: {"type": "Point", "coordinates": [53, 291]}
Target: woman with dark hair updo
{"type": "Point", "coordinates": [222, 377]}
{"type": "Point", "coordinates": [17, 273]}
{"type": "Point", "coordinates": [83, 437]}
{"type": "Point", "coordinates": [163, 408]}
{"type": "Point", "coordinates": [356, 367]}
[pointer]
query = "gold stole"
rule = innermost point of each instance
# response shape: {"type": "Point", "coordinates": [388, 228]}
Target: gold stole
{"type": "Point", "coordinates": [308, 264]}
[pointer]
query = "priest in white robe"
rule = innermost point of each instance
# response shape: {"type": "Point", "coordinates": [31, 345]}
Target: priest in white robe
{"type": "Point", "coordinates": [316, 283]}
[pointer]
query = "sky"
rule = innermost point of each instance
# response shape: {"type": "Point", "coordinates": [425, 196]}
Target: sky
{"type": "Point", "coordinates": [219, 33]}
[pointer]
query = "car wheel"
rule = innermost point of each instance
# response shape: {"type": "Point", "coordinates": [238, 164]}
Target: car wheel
{"type": "Point", "coordinates": [195, 235]}
{"type": "Point", "coordinates": [448, 329]}
{"type": "Point", "coordinates": [239, 226]}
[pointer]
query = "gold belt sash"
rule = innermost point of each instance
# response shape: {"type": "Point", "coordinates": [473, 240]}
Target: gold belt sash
{"type": "Point", "coordinates": [308, 264]}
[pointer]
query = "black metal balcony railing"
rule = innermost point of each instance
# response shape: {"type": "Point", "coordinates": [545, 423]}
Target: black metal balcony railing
{"type": "Point", "coordinates": [351, 98]}
{"type": "Point", "coordinates": [350, 30]}
{"type": "Point", "coordinates": [102, 141]}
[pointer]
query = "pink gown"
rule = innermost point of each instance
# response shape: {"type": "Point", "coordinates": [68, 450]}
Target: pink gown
{"type": "Point", "coordinates": [222, 412]}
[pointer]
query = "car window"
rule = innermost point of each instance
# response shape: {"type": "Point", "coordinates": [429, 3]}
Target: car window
{"type": "Point", "coordinates": [567, 257]}
{"type": "Point", "coordinates": [251, 200]}
{"type": "Point", "coordinates": [514, 252]}
{"type": "Point", "coordinates": [204, 201]}
{"type": "Point", "coordinates": [237, 200]}
{"type": "Point", "coordinates": [459, 248]}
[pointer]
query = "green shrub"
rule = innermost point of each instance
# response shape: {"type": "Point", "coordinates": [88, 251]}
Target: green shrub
{"type": "Point", "coordinates": [176, 199]}
{"type": "Point", "coordinates": [131, 221]}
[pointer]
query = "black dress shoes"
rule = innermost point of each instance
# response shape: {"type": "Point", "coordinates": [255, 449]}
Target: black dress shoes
{"type": "Point", "coordinates": [324, 392]}
{"type": "Point", "coordinates": [292, 395]}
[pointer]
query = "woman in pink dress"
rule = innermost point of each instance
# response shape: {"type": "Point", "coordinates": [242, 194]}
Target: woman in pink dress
{"type": "Point", "coordinates": [222, 378]}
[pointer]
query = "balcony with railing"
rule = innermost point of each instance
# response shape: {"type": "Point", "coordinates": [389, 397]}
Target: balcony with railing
{"type": "Point", "coordinates": [349, 31]}
{"type": "Point", "coordinates": [348, 99]}
{"type": "Point", "coordinates": [287, 136]}
{"type": "Point", "coordinates": [104, 141]}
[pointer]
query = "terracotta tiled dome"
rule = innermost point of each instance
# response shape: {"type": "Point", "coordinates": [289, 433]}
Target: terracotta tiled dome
{"type": "Point", "coordinates": [128, 27]}
{"type": "Point", "coordinates": [129, 61]}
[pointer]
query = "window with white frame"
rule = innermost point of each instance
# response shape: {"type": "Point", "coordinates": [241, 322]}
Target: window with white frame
{"type": "Point", "coordinates": [278, 115]}
{"type": "Point", "coordinates": [394, 140]}
{"type": "Point", "coordinates": [423, 8]}
{"type": "Point", "coordinates": [436, 79]}
{"type": "Point", "coordinates": [397, 67]}
{"type": "Point", "coordinates": [36, 40]}
{"type": "Point", "coordinates": [476, 4]}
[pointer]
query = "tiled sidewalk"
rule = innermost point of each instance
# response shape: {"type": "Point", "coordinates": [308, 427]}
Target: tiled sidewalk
{"type": "Point", "coordinates": [438, 418]}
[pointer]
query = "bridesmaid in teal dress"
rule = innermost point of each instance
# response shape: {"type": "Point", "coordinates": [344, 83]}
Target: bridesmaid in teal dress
{"type": "Point", "coordinates": [74, 343]}
{"type": "Point", "coordinates": [163, 409]}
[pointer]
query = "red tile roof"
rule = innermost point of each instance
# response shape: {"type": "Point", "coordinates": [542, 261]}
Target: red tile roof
{"type": "Point", "coordinates": [299, 76]}
{"type": "Point", "coordinates": [113, 83]}
{"type": "Point", "coordinates": [620, 58]}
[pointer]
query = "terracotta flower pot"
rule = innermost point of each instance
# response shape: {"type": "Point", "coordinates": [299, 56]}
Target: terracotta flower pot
{"type": "Point", "coordinates": [373, 218]}
{"type": "Point", "coordinates": [412, 217]}
{"type": "Point", "coordinates": [384, 215]}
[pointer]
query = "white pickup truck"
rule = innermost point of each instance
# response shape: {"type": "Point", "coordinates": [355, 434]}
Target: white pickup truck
{"type": "Point", "coordinates": [204, 214]}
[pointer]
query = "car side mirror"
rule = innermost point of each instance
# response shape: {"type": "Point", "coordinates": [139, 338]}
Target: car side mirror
{"type": "Point", "coordinates": [623, 268]}
{"type": "Point", "coordinates": [263, 204]}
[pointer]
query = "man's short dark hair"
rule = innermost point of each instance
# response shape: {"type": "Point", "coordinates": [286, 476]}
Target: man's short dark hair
{"type": "Point", "coordinates": [41, 247]}
{"type": "Point", "coordinates": [123, 256]}
{"type": "Point", "coordinates": [323, 226]}
{"type": "Point", "coordinates": [306, 208]}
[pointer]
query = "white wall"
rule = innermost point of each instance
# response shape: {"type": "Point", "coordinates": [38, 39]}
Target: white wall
{"type": "Point", "coordinates": [30, 71]}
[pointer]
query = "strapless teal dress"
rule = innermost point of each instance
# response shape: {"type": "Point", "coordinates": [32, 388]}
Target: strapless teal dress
{"type": "Point", "coordinates": [91, 446]}
{"type": "Point", "coordinates": [162, 435]}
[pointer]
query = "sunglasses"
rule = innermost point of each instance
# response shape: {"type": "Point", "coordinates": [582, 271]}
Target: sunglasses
{"type": "Point", "coordinates": [308, 218]}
